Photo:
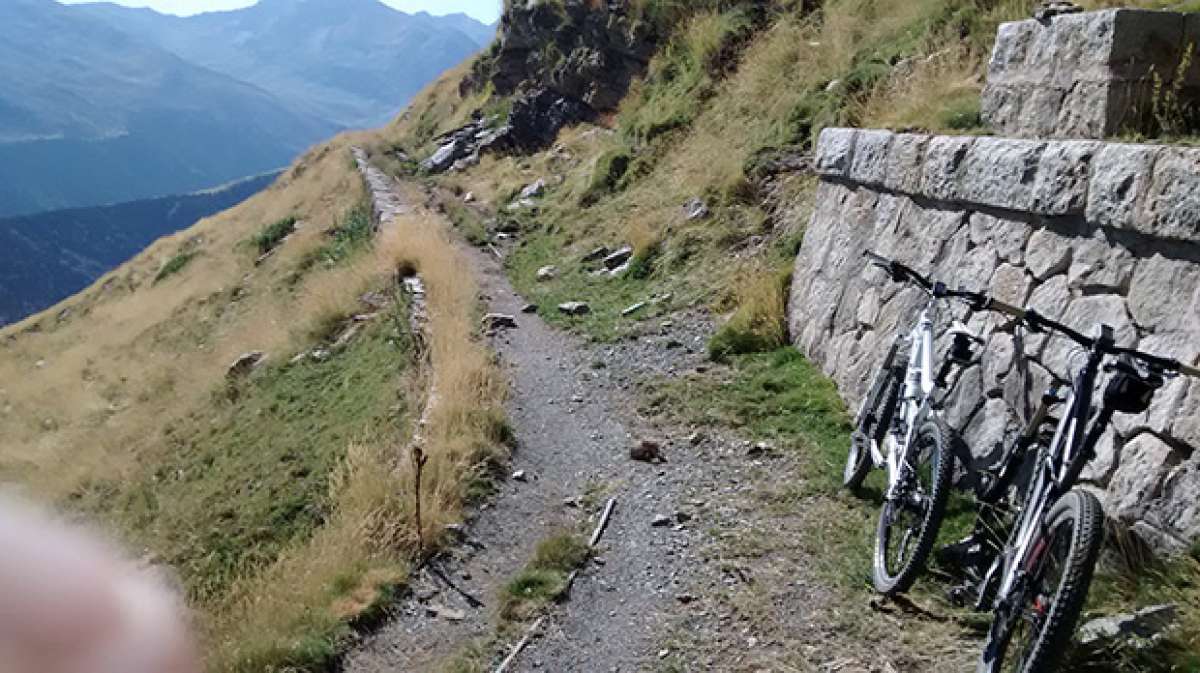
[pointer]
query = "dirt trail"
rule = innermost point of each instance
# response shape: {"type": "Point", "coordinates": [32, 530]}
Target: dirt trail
{"type": "Point", "coordinates": [727, 586]}
{"type": "Point", "coordinates": [571, 442]}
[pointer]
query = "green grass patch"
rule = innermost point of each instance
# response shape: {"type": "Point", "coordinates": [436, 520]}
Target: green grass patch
{"type": "Point", "coordinates": [174, 265]}
{"type": "Point", "coordinates": [467, 220]}
{"type": "Point", "coordinates": [545, 578]}
{"type": "Point", "coordinates": [544, 245]}
{"type": "Point", "coordinates": [274, 233]}
{"type": "Point", "coordinates": [238, 482]}
{"type": "Point", "coordinates": [351, 235]}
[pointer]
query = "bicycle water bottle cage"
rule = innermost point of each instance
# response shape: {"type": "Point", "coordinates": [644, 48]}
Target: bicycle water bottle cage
{"type": "Point", "coordinates": [1132, 388]}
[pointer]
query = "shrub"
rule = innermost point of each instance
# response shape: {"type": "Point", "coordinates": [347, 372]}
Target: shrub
{"type": "Point", "coordinates": [608, 175]}
{"type": "Point", "coordinates": [272, 234]}
{"type": "Point", "coordinates": [174, 265]}
{"type": "Point", "coordinates": [760, 322]}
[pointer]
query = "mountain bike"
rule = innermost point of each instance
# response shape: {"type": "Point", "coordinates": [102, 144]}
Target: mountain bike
{"type": "Point", "coordinates": [1039, 542]}
{"type": "Point", "coordinates": [899, 428]}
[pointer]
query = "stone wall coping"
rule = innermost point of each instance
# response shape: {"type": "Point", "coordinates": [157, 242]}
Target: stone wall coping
{"type": "Point", "coordinates": [1150, 189]}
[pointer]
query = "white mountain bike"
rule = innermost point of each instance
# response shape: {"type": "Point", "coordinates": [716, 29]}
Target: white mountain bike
{"type": "Point", "coordinates": [899, 428]}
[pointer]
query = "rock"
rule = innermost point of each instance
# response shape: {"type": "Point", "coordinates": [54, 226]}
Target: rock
{"type": "Point", "coordinates": [596, 255]}
{"type": "Point", "coordinates": [534, 189]}
{"type": "Point", "coordinates": [634, 308]}
{"type": "Point", "coordinates": [469, 197]}
{"type": "Point", "coordinates": [547, 273]}
{"type": "Point", "coordinates": [696, 438]}
{"type": "Point", "coordinates": [496, 321]}
{"type": "Point", "coordinates": [574, 308]}
{"type": "Point", "coordinates": [529, 308]}
{"type": "Point", "coordinates": [647, 451]}
{"type": "Point", "coordinates": [520, 475]}
{"type": "Point", "coordinates": [695, 209]}
{"type": "Point", "coordinates": [1147, 623]}
{"type": "Point", "coordinates": [661, 521]}
{"type": "Point", "coordinates": [443, 612]}
{"type": "Point", "coordinates": [683, 517]}
{"type": "Point", "coordinates": [246, 363]}
{"type": "Point", "coordinates": [616, 259]}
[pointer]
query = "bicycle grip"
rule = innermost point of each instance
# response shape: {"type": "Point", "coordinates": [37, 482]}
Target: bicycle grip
{"type": "Point", "coordinates": [1188, 370]}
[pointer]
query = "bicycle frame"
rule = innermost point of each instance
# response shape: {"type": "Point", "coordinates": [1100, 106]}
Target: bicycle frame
{"type": "Point", "coordinates": [1055, 473]}
{"type": "Point", "coordinates": [919, 383]}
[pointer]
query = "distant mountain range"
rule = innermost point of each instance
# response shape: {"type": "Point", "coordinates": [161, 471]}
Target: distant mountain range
{"type": "Point", "coordinates": [47, 257]}
{"type": "Point", "coordinates": [102, 104]}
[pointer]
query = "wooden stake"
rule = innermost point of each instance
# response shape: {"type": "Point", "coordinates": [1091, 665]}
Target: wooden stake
{"type": "Point", "coordinates": [418, 459]}
{"type": "Point", "coordinates": [520, 646]}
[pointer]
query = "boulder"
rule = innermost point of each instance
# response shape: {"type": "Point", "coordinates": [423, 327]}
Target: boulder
{"type": "Point", "coordinates": [616, 259]}
{"type": "Point", "coordinates": [245, 364]}
{"type": "Point", "coordinates": [574, 308]}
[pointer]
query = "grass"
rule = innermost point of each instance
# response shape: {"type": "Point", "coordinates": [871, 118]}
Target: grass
{"type": "Point", "coordinates": [174, 266]}
{"type": "Point", "coordinates": [273, 234]}
{"type": "Point", "coordinates": [283, 500]}
{"type": "Point", "coordinates": [544, 579]}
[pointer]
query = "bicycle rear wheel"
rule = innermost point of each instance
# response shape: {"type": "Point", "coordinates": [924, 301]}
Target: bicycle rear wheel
{"type": "Point", "coordinates": [909, 523]}
{"type": "Point", "coordinates": [874, 417]}
{"type": "Point", "coordinates": [1032, 634]}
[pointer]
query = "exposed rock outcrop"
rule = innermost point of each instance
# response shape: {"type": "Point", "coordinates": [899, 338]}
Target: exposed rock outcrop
{"type": "Point", "coordinates": [562, 62]}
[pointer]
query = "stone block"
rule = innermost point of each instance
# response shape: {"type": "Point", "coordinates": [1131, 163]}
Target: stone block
{"type": "Point", "coordinates": [1120, 181]}
{"type": "Point", "coordinates": [1172, 202]}
{"type": "Point", "coordinates": [905, 159]}
{"type": "Point", "coordinates": [1099, 265]}
{"type": "Point", "coordinates": [1079, 75]}
{"type": "Point", "coordinates": [1006, 237]}
{"type": "Point", "coordinates": [869, 163]}
{"type": "Point", "coordinates": [1145, 463]}
{"type": "Point", "coordinates": [1048, 253]}
{"type": "Point", "coordinates": [1160, 294]}
{"type": "Point", "coordinates": [1000, 172]}
{"type": "Point", "coordinates": [944, 157]}
{"type": "Point", "coordinates": [835, 148]}
{"type": "Point", "coordinates": [1061, 185]}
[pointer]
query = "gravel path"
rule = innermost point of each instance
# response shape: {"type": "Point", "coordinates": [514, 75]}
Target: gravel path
{"type": "Point", "coordinates": [727, 585]}
{"type": "Point", "coordinates": [574, 426]}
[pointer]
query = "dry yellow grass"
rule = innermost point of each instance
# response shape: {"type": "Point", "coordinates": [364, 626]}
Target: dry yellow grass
{"type": "Point", "coordinates": [934, 93]}
{"type": "Point", "coordinates": [87, 392]}
{"type": "Point", "coordinates": [372, 533]}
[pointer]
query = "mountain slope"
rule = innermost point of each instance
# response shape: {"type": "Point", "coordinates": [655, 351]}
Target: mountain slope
{"type": "Point", "coordinates": [47, 257]}
{"type": "Point", "coordinates": [353, 62]}
{"type": "Point", "coordinates": [90, 114]}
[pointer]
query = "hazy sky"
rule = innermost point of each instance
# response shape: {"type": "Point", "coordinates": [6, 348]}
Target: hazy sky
{"type": "Point", "coordinates": [484, 10]}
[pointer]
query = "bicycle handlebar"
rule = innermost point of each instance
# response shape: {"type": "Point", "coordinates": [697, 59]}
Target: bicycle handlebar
{"type": "Point", "coordinates": [978, 301]}
{"type": "Point", "coordinates": [1038, 322]}
{"type": "Point", "coordinates": [899, 271]}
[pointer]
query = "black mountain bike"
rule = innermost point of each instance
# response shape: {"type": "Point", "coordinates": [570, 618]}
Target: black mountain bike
{"type": "Point", "coordinates": [899, 429]}
{"type": "Point", "coordinates": [1039, 542]}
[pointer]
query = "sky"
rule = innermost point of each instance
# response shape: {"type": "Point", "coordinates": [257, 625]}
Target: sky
{"type": "Point", "coordinates": [484, 10]}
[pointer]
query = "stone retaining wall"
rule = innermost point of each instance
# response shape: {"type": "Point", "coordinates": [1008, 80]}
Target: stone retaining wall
{"type": "Point", "coordinates": [1083, 231]}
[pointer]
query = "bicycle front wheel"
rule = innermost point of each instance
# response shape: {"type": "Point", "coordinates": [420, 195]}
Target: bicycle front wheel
{"type": "Point", "coordinates": [1031, 634]}
{"type": "Point", "coordinates": [909, 522]}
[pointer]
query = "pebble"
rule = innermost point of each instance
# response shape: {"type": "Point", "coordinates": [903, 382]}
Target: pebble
{"type": "Point", "coordinates": [519, 475]}
{"type": "Point", "coordinates": [661, 521]}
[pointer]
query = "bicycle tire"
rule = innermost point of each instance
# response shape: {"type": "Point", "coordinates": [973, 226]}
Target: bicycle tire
{"type": "Point", "coordinates": [1086, 516]}
{"type": "Point", "coordinates": [935, 434]}
{"type": "Point", "coordinates": [881, 399]}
